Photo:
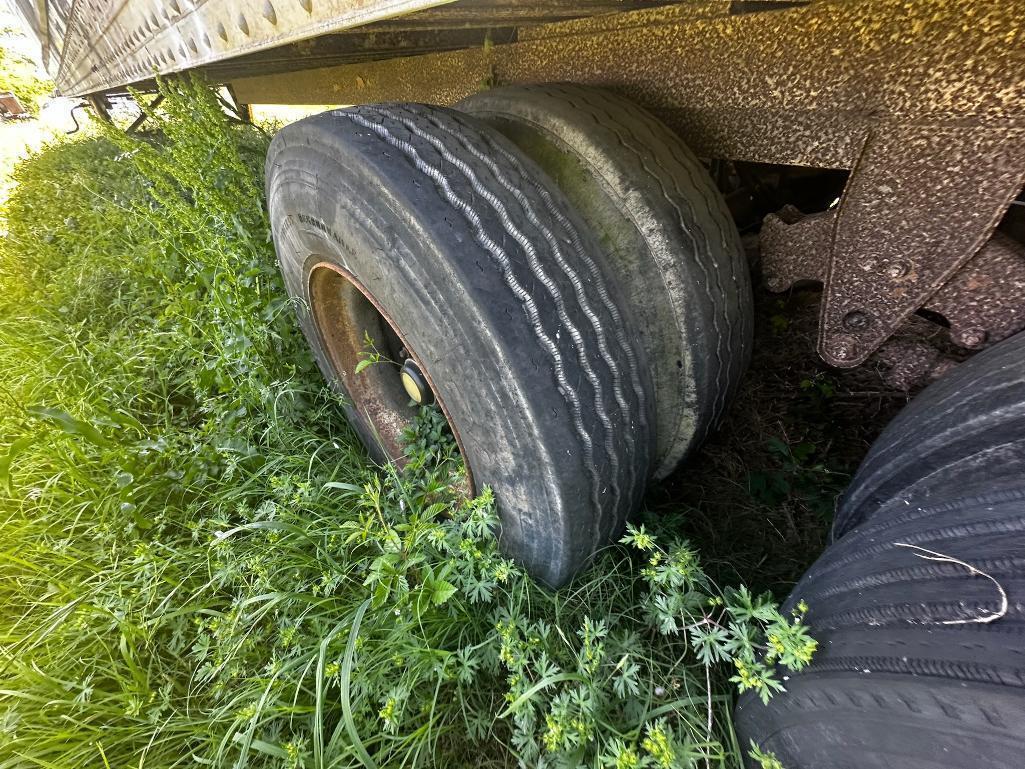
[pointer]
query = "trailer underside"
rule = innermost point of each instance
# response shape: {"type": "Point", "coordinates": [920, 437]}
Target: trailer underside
{"type": "Point", "coordinates": [921, 102]}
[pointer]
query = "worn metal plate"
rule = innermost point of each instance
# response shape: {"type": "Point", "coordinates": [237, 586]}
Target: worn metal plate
{"type": "Point", "coordinates": [100, 45]}
{"type": "Point", "coordinates": [983, 302]}
{"type": "Point", "coordinates": [802, 86]}
{"type": "Point", "coordinates": [795, 247]}
{"type": "Point", "coordinates": [922, 200]}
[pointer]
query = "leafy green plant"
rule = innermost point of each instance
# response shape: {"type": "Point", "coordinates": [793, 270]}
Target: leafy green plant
{"type": "Point", "coordinates": [21, 76]}
{"type": "Point", "coordinates": [765, 759]}
{"type": "Point", "coordinates": [797, 475]}
{"type": "Point", "coordinates": [779, 321]}
{"type": "Point", "coordinates": [821, 388]}
{"type": "Point", "coordinates": [370, 355]}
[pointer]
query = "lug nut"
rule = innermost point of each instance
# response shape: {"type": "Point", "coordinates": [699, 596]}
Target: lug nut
{"type": "Point", "coordinates": [842, 351]}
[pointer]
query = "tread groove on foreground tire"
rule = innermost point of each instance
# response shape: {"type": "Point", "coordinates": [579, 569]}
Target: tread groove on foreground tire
{"type": "Point", "coordinates": [941, 638]}
{"type": "Point", "coordinates": [898, 632]}
{"type": "Point", "coordinates": [995, 567]}
{"type": "Point", "coordinates": [986, 674]}
{"type": "Point", "coordinates": [503, 260]}
{"type": "Point", "coordinates": [981, 404]}
{"type": "Point", "coordinates": [1007, 526]}
{"type": "Point", "coordinates": [579, 291]}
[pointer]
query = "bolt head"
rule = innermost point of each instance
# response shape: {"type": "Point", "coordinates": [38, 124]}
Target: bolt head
{"type": "Point", "coordinates": [897, 270]}
{"type": "Point", "coordinates": [971, 337]}
{"type": "Point", "coordinates": [856, 320]}
{"type": "Point", "coordinates": [843, 351]}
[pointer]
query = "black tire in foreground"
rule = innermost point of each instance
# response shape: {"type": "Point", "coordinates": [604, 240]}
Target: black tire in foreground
{"type": "Point", "coordinates": [433, 235]}
{"type": "Point", "coordinates": [967, 427]}
{"type": "Point", "coordinates": [919, 610]}
{"type": "Point", "coordinates": [667, 234]}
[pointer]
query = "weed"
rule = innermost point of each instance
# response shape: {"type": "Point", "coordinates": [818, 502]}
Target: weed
{"type": "Point", "coordinates": [370, 355]}
{"type": "Point", "coordinates": [797, 475]}
{"type": "Point", "coordinates": [766, 760]}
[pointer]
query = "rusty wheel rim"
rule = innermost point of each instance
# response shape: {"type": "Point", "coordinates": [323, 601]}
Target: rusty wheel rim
{"type": "Point", "coordinates": [345, 314]}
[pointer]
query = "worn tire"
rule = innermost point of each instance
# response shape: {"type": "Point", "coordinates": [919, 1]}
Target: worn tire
{"type": "Point", "coordinates": [669, 238]}
{"type": "Point", "coordinates": [895, 683]}
{"type": "Point", "coordinates": [968, 426]}
{"type": "Point", "coordinates": [490, 276]}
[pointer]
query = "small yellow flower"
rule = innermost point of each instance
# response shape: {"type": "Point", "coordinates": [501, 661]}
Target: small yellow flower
{"type": "Point", "coordinates": [627, 759]}
{"type": "Point", "coordinates": [554, 734]}
{"type": "Point", "coordinates": [658, 747]}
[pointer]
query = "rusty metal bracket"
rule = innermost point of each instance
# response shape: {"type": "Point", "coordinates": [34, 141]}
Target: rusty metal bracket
{"type": "Point", "coordinates": [921, 201]}
{"type": "Point", "coordinates": [984, 300]}
{"type": "Point", "coordinates": [795, 247]}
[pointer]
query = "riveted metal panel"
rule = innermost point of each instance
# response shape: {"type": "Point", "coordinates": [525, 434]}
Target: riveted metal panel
{"type": "Point", "coordinates": [114, 43]}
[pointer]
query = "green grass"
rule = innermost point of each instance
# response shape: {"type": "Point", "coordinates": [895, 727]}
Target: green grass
{"type": "Point", "coordinates": [18, 73]}
{"type": "Point", "coordinates": [202, 568]}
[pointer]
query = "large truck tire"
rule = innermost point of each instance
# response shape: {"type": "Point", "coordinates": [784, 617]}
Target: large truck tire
{"type": "Point", "coordinates": [919, 607]}
{"type": "Point", "coordinates": [666, 231]}
{"type": "Point", "coordinates": [968, 426]}
{"type": "Point", "coordinates": [433, 235]}
{"type": "Point", "coordinates": [919, 614]}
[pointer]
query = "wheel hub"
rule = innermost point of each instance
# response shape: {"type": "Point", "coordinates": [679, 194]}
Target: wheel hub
{"type": "Point", "coordinates": [415, 383]}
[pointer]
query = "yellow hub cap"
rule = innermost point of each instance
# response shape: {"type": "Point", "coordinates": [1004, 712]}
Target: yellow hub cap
{"type": "Point", "coordinates": [415, 383]}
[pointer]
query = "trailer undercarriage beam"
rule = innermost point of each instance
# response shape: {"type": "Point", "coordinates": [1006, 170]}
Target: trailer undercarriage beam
{"type": "Point", "coordinates": [923, 101]}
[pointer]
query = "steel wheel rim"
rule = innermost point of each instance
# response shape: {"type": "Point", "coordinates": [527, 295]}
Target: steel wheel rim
{"type": "Point", "coordinates": [343, 312]}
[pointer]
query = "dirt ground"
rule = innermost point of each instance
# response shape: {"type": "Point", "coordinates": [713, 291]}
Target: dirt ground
{"type": "Point", "coordinates": [758, 499]}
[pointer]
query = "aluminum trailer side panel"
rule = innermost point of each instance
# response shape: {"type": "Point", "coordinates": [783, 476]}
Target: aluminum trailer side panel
{"type": "Point", "coordinates": [48, 21]}
{"type": "Point", "coordinates": [111, 44]}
